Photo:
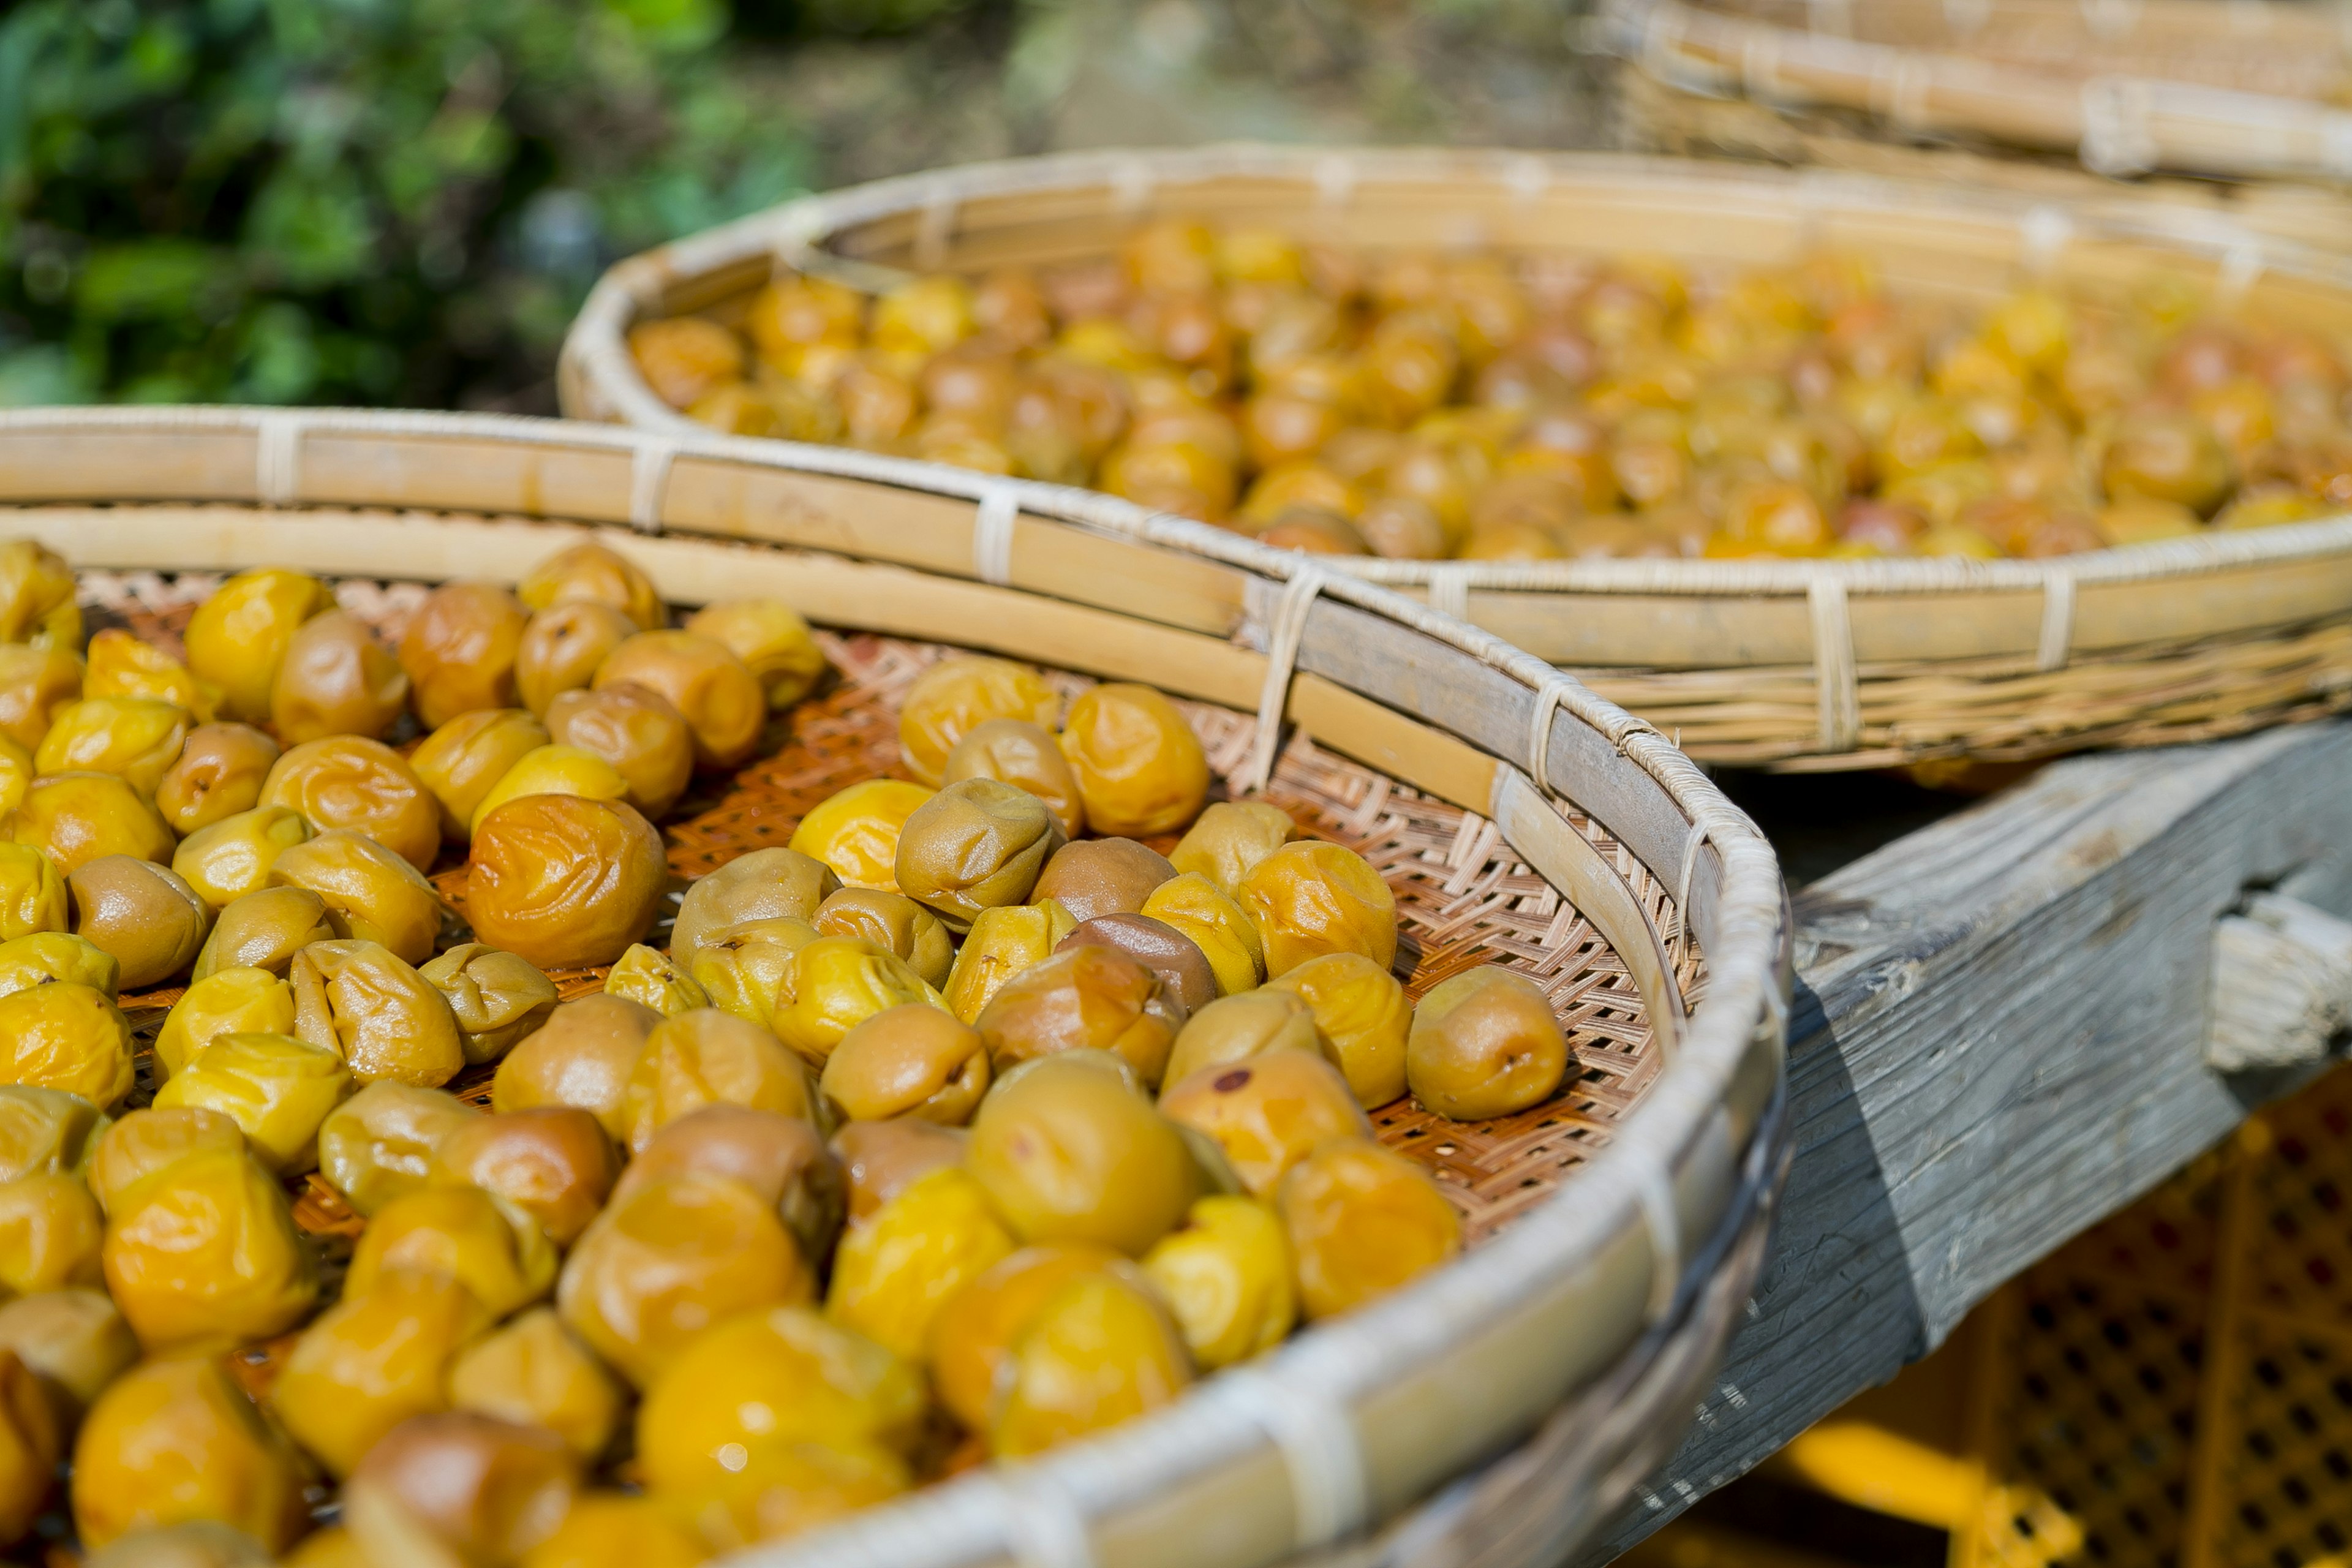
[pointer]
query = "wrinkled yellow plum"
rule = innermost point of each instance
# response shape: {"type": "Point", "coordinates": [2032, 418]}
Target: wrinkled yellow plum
{"type": "Point", "coordinates": [176, 1441]}
{"type": "Point", "coordinates": [37, 596]}
{"type": "Point", "coordinates": [563, 882]}
{"type": "Point", "coordinates": [456, 1487]}
{"type": "Point", "coordinates": [1140, 769]}
{"type": "Point", "coordinates": [1088, 997]}
{"type": "Point", "coordinates": [1024, 754]}
{"type": "Point", "coordinates": [238, 637]}
{"type": "Point", "coordinates": [1268, 1114]}
{"type": "Point", "coordinates": [34, 682]}
{"type": "Point", "coordinates": [74, 818]}
{"type": "Point", "coordinates": [582, 1056]}
{"type": "Point", "coordinates": [553, 1162]}
{"type": "Point", "coordinates": [74, 1340]}
{"type": "Point", "coordinates": [144, 916]}
{"type": "Point", "coordinates": [614, 1529]}
{"type": "Point", "coordinates": [134, 737]}
{"type": "Point", "coordinates": [553, 770]}
{"type": "Point", "coordinates": [1485, 1043]}
{"type": "Point", "coordinates": [786, 1489]}
{"type": "Point", "coordinates": [351, 781]}
{"type": "Point", "coordinates": [265, 931]}
{"type": "Point", "coordinates": [1312, 898]}
{"type": "Point", "coordinates": [336, 680]}
{"type": "Point", "coordinates": [462, 761]}
{"type": "Point", "coordinates": [910, 1060]}
{"type": "Point", "coordinates": [747, 969]}
{"type": "Point", "coordinates": [46, 957]}
{"type": "Point", "coordinates": [378, 1145]}
{"type": "Point", "coordinates": [958, 694]}
{"type": "Point", "coordinates": [706, 1058]}
{"type": "Point", "coordinates": [972, 1337]}
{"type": "Point", "coordinates": [477, 1238]}
{"type": "Point", "coordinates": [766, 884]}
{"type": "Point", "coordinates": [459, 649]}
{"type": "Point", "coordinates": [678, 1255]}
{"type": "Point", "coordinates": [771, 640]}
{"type": "Point", "coordinates": [718, 697]}
{"type": "Point", "coordinates": [892, 920]}
{"type": "Point", "coordinates": [1235, 1028]}
{"type": "Point", "coordinates": [595, 574]}
{"type": "Point", "coordinates": [233, 1001]}
{"type": "Point", "coordinates": [31, 1437]}
{"type": "Point", "coordinates": [1361, 1222]}
{"type": "Point", "coordinates": [855, 832]}
{"type": "Point", "coordinates": [274, 1086]}
{"type": "Point", "coordinates": [1001, 944]}
{"type": "Point", "coordinates": [643, 975]}
{"type": "Point", "coordinates": [638, 731]}
{"type": "Point", "coordinates": [123, 666]}
{"type": "Point", "coordinates": [16, 775]}
{"type": "Point", "coordinates": [362, 1001]}
{"type": "Point", "coordinates": [1099, 1352]}
{"type": "Point", "coordinates": [1069, 1151]}
{"type": "Point", "coordinates": [50, 1229]}
{"type": "Point", "coordinates": [562, 646]}
{"type": "Point", "coordinates": [225, 860]}
{"type": "Point", "coordinates": [836, 984]}
{"type": "Point", "coordinates": [144, 1143]}
{"type": "Point", "coordinates": [1229, 837]}
{"type": "Point", "coordinates": [1224, 1274]}
{"type": "Point", "coordinates": [881, 1159]}
{"type": "Point", "coordinates": [45, 1130]}
{"type": "Point", "coordinates": [534, 1372]}
{"type": "Point", "coordinates": [219, 772]}
{"type": "Point", "coordinates": [1199, 910]}
{"type": "Point", "coordinates": [978, 843]}
{"type": "Point", "coordinates": [333, 1547]}
{"type": "Point", "coordinates": [784, 1374]}
{"type": "Point", "coordinates": [784, 1159]}
{"type": "Point", "coordinates": [496, 998]}
{"type": "Point", "coordinates": [66, 1036]}
{"type": "Point", "coordinates": [371, 1361]}
{"type": "Point", "coordinates": [203, 1251]}
{"type": "Point", "coordinates": [897, 1267]}
{"type": "Point", "coordinates": [32, 894]}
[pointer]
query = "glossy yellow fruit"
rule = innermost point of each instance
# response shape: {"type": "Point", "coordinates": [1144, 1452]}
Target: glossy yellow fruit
{"type": "Point", "coordinates": [1068, 1150]}
{"type": "Point", "coordinates": [836, 984]}
{"type": "Point", "coordinates": [612, 1530]}
{"type": "Point", "coordinates": [855, 832]}
{"type": "Point", "coordinates": [534, 1372]}
{"type": "Point", "coordinates": [1019, 752]}
{"type": "Point", "coordinates": [35, 683]}
{"type": "Point", "coordinates": [50, 1229]}
{"type": "Point", "coordinates": [371, 1361]}
{"type": "Point", "coordinates": [581, 1057]}
{"type": "Point", "coordinates": [1227, 936]}
{"type": "Point", "coordinates": [32, 893]}
{"type": "Point", "coordinates": [231, 857]}
{"type": "Point", "coordinates": [720, 700]}
{"type": "Point", "coordinates": [786, 1489]}
{"type": "Point", "coordinates": [66, 1036]}
{"type": "Point", "coordinates": [355, 782]}
{"type": "Point", "coordinates": [74, 1340]}
{"type": "Point", "coordinates": [766, 884]}
{"type": "Point", "coordinates": [218, 774]}
{"type": "Point", "coordinates": [45, 958]}
{"type": "Point", "coordinates": [37, 596]}
{"type": "Point", "coordinates": [1312, 898]}
{"type": "Point", "coordinates": [783, 1375]}
{"type": "Point", "coordinates": [709, 1058]}
{"type": "Point", "coordinates": [1224, 1274]}
{"type": "Point", "coordinates": [1485, 1043]}
{"type": "Point", "coordinates": [379, 1144]}
{"type": "Point", "coordinates": [146, 1142]}
{"type": "Point", "coordinates": [1235, 1028]}
{"type": "Point", "coordinates": [360, 1001]}
{"type": "Point", "coordinates": [238, 637]}
{"type": "Point", "coordinates": [265, 931]}
{"type": "Point", "coordinates": [134, 737]}
{"type": "Point", "coordinates": [144, 916]}
{"type": "Point", "coordinates": [31, 1436]}
{"type": "Point", "coordinates": [553, 770]}
{"type": "Point", "coordinates": [483, 1242]}
{"type": "Point", "coordinates": [1361, 1012]}
{"type": "Point", "coordinates": [1000, 945]}
{"type": "Point", "coordinates": [895, 1269]}
{"type": "Point", "coordinates": [203, 1251]}
{"type": "Point", "coordinates": [561, 648]}
{"type": "Point", "coordinates": [463, 760]}
{"type": "Point", "coordinates": [958, 694]}
{"type": "Point", "coordinates": [1140, 769]}
{"type": "Point", "coordinates": [459, 651]}
{"type": "Point", "coordinates": [45, 1130]}
{"type": "Point", "coordinates": [771, 639]}
{"type": "Point", "coordinates": [595, 574]}
{"type": "Point", "coordinates": [747, 969]}
{"type": "Point", "coordinates": [892, 920]}
{"type": "Point", "coordinates": [638, 730]}
{"type": "Point", "coordinates": [274, 1086]}
{"type": "Point", "coordinates": [496, 998]}
{"type": "Point", "coordinates": [914, 1059]}
{"type": "Point", "coordinates": [972, 1336]}
{"type": "Point", "coordinates": [1361, 1222]}
{"type": "Point", "coordinates": [16, 774]}
{"type": "Point", "coordinates": [234, 1001]}
{"type": "Point", "coordinates": [177, 1440]}
{"type": "Point", "coordinates": [1229, 837]}
{"type": "Point", "coordinates": [1099, 1352]}
{"type": "Point", "coordinates": [1268, 1113]}
{"type": "Point", "coordinates": [336, 680]}
{"type": "Point", "coordinates": [74, 818]}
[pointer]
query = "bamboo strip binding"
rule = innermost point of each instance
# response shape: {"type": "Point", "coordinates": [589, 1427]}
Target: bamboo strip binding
{"type": "Point", "coordinates": [1741, 660]}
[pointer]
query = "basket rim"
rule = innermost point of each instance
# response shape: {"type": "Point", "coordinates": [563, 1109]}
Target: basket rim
{"type": "Point", "coordinates": [1745, 1006]}
{"type": "Point", "coordinates": [596, 347]}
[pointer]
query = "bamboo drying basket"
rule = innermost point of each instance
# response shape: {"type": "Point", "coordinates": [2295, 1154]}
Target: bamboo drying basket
{"type": "Point", "coordinates": [1801, 664]}
{"type": "Point", "coordinates": [2245, 89]}
{"type": "Point", "coordinates": [1520, 819]}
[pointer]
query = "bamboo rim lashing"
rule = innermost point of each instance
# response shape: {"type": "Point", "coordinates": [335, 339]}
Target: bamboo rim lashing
{"type": "Point", "coordinates": [2240, 89]}
{"type": "Point", "coordinates": [1790, 663]}
{"type": "Point", "coordinates": [1591, 1320]}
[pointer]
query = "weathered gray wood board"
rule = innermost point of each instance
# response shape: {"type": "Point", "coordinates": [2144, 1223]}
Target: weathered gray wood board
{"type": "Point", "coordinates": [2000, 1039]}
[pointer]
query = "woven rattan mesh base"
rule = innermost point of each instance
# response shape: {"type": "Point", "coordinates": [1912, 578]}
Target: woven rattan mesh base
{"type": "Point", "coordinates": [1462, 897]}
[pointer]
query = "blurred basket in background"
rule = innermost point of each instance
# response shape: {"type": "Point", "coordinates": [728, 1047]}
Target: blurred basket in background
{"type": "Point", "coordinates": [1795, 663]}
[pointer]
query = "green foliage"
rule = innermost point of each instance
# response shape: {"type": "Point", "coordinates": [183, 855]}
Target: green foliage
{"type": "Point", "coordinates": [360, 200]}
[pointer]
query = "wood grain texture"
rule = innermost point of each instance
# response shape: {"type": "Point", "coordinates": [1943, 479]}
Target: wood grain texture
{"type": "Point", "coordinates": [1998, 1039]}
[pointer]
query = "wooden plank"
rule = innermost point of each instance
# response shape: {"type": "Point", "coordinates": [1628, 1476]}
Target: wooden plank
{"type": "Point", "coordinates": [1998, 1039]}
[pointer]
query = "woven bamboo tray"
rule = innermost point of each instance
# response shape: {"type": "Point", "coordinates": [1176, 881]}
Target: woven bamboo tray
{"type": "Point", "coordinates": [2245, 89]}
{"type": "Point", "coordinates": [1820, 665]}
{"type": "Point", "coordinates": [1518, 818]}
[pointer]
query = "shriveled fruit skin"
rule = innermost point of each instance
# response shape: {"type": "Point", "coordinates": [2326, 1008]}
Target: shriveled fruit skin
{"type": "Point", "coordinates": [565, 882]}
